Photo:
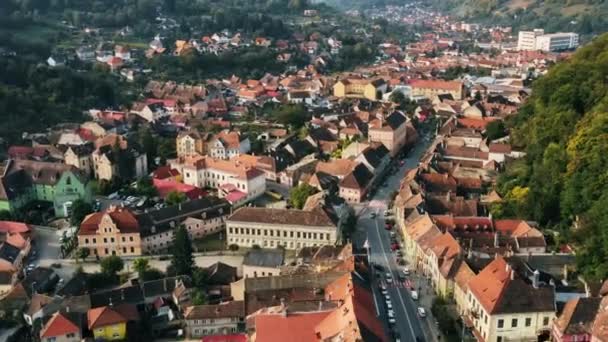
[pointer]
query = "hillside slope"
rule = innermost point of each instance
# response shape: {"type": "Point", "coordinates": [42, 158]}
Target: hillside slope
{"type": "Point", "coordinates": [563, 181]}
{"type": "Point", "coordinates": [582, 16]}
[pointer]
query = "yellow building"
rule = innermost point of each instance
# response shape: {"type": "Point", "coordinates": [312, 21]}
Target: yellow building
{"type": "Point", "coordinates": [371, 89]}
{"type": "Point", "coordinates": [432, 88]}
{"type": "Point", "coordinates": [108, 323]}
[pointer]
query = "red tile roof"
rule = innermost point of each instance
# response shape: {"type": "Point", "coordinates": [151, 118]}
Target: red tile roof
{"type": "Point", "coordinates": [104, 316]}
{"type": "Point", "coordinates": [59, 325]}
{"type": "Point", "coordinates": [437, 84]}
{"type": "Point", "coordinates": [296, 327]}
{"type": "Point", "coordinates": [124, 220]}
{"type": "Point", "coordinates": [13, 227]}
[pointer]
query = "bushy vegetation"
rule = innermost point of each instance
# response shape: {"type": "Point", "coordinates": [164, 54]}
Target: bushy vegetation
{"type": "Point", "coordinates": [562, 182]}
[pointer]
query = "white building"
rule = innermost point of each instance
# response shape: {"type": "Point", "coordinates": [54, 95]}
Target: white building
{"type": "Point", "coordinates": [557, 41]}
{"type": "Point", "coordinates": [231, 178]}
{"type": "Point", "coordinates": [290, 228]}
{"type": "Point", "coordinates": [538, 40]}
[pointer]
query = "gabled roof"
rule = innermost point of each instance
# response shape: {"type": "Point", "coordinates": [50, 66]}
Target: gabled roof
{"type": "Point", "coordinates": [359, 178]}
{"type": "Point", "coordinates": [223, 310]}
{"type": "Point", "coordinates": [104, 316]}
{"type": "Point", "coordinates": [282, 217]}
{"type": "Point", "coordinates": [264, 258]}
{"type": "Point", "coordinates": [124, 220]}
{"type": "Point", "coordinates": [577, 316]}
{"type": "Point", "coordinates": [60, 324]}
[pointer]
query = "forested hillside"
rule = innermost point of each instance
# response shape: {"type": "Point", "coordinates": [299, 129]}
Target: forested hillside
{"type": "Point", "coordinates": [563, 181]}
{"type": "Point", "coordinates": [582, 16]}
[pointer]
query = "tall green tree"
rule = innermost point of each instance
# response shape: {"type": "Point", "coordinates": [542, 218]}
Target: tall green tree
{"type": "Point", "coordinates": [141, 266]}
{"type": "Point", "coordinates": [182, 261]}
{"type": "Point", "coordinates": [80, 209]}
{"type": "Point", "coordinates": [299, 194]}
{"type": "Point", "coordinates": [111, 265]}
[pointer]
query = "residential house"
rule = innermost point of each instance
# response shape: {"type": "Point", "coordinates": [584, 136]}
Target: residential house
{"type": "Point", "coordinates": [290, 228]}
{"type": "Point", "coordinates": [80, 157]}
{"type": "Point", "coordinates": [301, 96]}
{"type": "Point", "coordinates": [504, 305]}
{"type": "Point", "coordinates": [354, 187]}
{"type": "Point", "coordinates": [107, 163]}
{"type": "Point", "coordinates": [576, 321]}
{"type": "Point", "coordinates": [152, 112]}
{"type": "Point", "coordinates": [114, 231]}
{"type": "Point", "coordinates": [353, 87]}
{"type": "Point", "coordinates": [24, 181]}
{"type": "Point", "coordinates": [63, 327]}
{"type": "Point", "coordinates": [263, 262]}
{"type": "Point", "coordinates": [223, 318]}
{"type": "Point", "coordinates": [226, 145]}
{"type": "Point", "coordinates": [190, 143]}
{"type": "Point", "coordinates": [391, 132]}
{"type": "Point", "coordinates": [109, 323]}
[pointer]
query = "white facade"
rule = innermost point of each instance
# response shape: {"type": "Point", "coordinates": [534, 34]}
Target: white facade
{"type": "Point", "coordinates": [538, 40]}
{"type": "Point", "coordinates": [557, 41]}
{"type": "Point", "coordinates": [247, 234]}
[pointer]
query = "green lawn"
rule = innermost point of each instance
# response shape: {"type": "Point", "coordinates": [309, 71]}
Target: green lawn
{"type": "Point", "coordinates": [210, 243]}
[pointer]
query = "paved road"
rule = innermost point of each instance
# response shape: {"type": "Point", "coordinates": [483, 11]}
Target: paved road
{"type": "Point", "coordinates": [408, 325]}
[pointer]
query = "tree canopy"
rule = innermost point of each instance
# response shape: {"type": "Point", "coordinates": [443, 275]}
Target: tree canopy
{"type": "Point", "coordinates": [182, 261]}
{"type": "Point", "coordinates": [562, 181]}
{"type": "Point", "coordinates": [299, 194]}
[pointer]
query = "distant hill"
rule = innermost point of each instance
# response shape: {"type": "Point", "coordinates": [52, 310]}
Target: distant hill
{"type": "Point", "coordinates": [582, 16]}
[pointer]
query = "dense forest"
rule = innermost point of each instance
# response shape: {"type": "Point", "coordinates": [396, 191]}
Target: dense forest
{"type": "Point", "coordinates": [34, 97]}
{"type": "Point", "coordinates": [563, 181]}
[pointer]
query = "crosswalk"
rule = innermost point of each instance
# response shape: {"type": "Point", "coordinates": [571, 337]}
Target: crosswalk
{"type": "Point", "coordinates": [407, 284]}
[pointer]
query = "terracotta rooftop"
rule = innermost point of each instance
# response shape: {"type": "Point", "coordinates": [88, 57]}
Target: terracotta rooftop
{"type": "Point", "coordinates": [124, 220]}
{"type": "Point", "coordinates": [316, 218]}
{"type": "Point", "coordinates": [60, 324]}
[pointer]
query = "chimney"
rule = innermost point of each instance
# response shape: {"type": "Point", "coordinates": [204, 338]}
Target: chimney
{"type": "Point", "coordinates": [496, 240]}
{"type": "Point", "coordinates": [536, 279]}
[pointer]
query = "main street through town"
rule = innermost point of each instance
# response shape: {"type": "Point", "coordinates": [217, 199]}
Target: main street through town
{"type": "Point", "coordinates": [371, 223]}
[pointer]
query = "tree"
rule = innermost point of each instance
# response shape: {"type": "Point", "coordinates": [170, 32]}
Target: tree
{"type": "Point", "coordinates": [80, 209]}
{"type": "Point", "coordinates": [299, 194]}
{"type": "Point", "coordinates": [397, 97]}
{"type": "Point", "coordinates": [182, 260]}
{"type": "Point", "coordinates": [5, 215]}
{"type": "Point", "coordinates": [82, 253]}
{"type": "Point", "coordinates": [293, 115]}
{"type": "Point", "coordinates": [175, 197]}
{"type": "Point", "coordinates": [200, 277]}
{"type": "Point", "coordinates": [110, 266]}
{"type": "Point", "coordinates": [198, 297]}
{"type": "Point", "coordinates": [495, 130]}
{"type": "Point", "coordinates": [145, 187]}
{"type": "Point", "coordinates": [141, 266]}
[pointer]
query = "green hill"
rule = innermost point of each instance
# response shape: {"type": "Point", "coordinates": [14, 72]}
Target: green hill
{"type": "Point", "coordinates": [582, 16]}
{"type": "Point", "coordinates": [563, 181]}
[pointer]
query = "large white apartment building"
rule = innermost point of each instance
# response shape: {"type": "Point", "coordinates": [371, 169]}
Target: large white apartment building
{"type": "Point", "coordinates": [538, 40]}
{"type": "Point", "coordinates": [235, 181]}
{"type": "Point", "coordinates": [290, 228]}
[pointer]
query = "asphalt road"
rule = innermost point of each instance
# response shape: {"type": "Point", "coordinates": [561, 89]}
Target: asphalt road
{"type": "Point", "coordinates": [408, 326]}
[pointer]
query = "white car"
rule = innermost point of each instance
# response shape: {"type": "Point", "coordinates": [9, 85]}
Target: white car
{"type": "Point", "coordinates": [387, 297]}
{"type": "Point", "coordinates": [391, 314]}
{"type": "Point", "coordinates": [388, 275]}
{"type": "Point", "coordinates": [389, 305]}
{"type": "Point", "coordinates": [421, 312]}
{"type": "Point", "coordinates": [406, 271]}
{"type": "Point", "coordinates": [384, 292]}
{"type": "Point", "coordinates": [391, 320]}
{"type": "Point", "coordinates": [414, 295]}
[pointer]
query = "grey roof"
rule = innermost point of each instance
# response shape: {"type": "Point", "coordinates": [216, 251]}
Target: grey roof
{"type": "Point", "coordinates": [375, 155]}
{"type": "Point", "coordinates": [163, 287]}
{"type": "Point", "coordinates": [9, 252]}
{"type": "Point", "coordinates": [129, 295]}
{"type": "Point", "coordinates": [264, 258]}
{"type": "Point", "coordinates": [164, 219]}
{"type": "Point", "coordinates": [395, 120]}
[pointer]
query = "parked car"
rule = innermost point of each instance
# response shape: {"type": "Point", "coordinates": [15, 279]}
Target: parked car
{"type": "Point", "coordinates": [406, 271]}
{"type": "Point", "coordinates": [414, 295]}
{"type": "Point", "coordinates": [421, 312]}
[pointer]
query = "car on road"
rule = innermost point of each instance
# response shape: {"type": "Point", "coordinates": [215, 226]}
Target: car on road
{"type": "Point", "coordinates": [414, 295]}
{"type": "Point", "coordinates": [389, 305]}
{"type": "Point", "coordinates": [388, 275]}
{"type": "Point", "coordinates": [388, 226]}
{"type": "Point", "coordinates": [379, 267]}
{"type": "Point", "coordinates": [387, 298]}
{"type": "Point", "coordinates": [391, 313]}
{"type": "Point", "coordinates": [406, 271]}
{"type": "Point", "coordinates": [391, 320]}
{"type": "Point", "coordinates": [421, 312]}
{"type": "Point", "coordinates": [384, 291]}
{"type": "Point", "coordinates": [401, 277]}
{"type": "Point", "coordinates": [394, 247]}
{"type": "Point", "coordinates": [372, 215]}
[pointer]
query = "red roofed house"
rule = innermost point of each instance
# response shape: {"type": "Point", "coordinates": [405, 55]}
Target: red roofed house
{"type": "Point", "coordinates": [62, 327]}
{"type": "Point", "coordinates": [165, 186]}
{"type": "Point", "coordinates": [502, 305]}
{"type": "Point", "coordinates": [109, 323]}
{"type": "Point", "coordinates": [114, 231]}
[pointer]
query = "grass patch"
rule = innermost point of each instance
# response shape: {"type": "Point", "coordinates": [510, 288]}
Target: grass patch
{"type": "Point", "coordinates": [210, 243]}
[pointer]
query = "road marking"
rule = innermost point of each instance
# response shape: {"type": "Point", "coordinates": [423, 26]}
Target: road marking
{"type": "Point", "coordinates": [388, 265]}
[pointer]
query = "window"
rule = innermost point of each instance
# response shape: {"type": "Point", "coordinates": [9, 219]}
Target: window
{"type": "Point", "coordinates": [94, 240]}
{"type": "Point", "coordinates": [69, 335]}
{"type": "Point", "coordinates": [528, 321]}
{"type": "Point", "coordinates": [498, 338]}
{"type": "Point", "coordinates": [124, 249]}
{"type": "Point", "coordinates": [131, 238]}
{"type": "Point", "coordinates": [105, 240]}
{"type": "Point", "coordinates": [546, 321]}
{"type": "Point", "coordinates": [132, 249]}
{"type": "Point", "coordinates": [485, 319]}
{"type": "Point", "coordinates": [514, 323]}
{"type": "Point", "coordinates": [86, 241]}
{"type": "Point", "coordinates": [501, 323]}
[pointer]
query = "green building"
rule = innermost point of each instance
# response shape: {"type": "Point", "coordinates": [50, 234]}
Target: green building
{"type": "Point", "coordinates": [24, 181]}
